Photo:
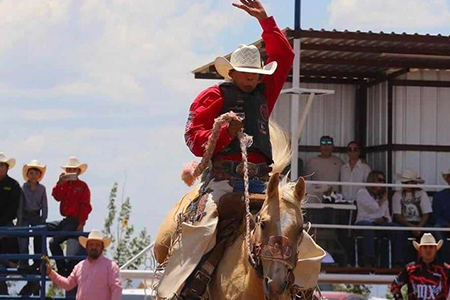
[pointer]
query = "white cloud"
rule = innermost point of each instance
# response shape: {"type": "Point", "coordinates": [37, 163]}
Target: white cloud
{"type": "Point", "coordinates": [49, 114]}
{"type": "Point", "coordinates": [399, 15]}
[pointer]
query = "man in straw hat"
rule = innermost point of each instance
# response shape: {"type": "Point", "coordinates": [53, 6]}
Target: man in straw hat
{"type": "Point", "coordinates": [97, 277]}
{"type": "Point", "coordinates": [441, 216]}
{"type": "Point", "coordinates": [75, 205]}
{"type": "Point", "coordinates": [426, 278]}
{"type": "Point", "coordinates": [251, 90]}
{"type": "Point", "coordinates": [33, 209]}
{"type": "Point", "coordinates": [411, 207]}
{"type": "Point", "coordinates": [10, 192]}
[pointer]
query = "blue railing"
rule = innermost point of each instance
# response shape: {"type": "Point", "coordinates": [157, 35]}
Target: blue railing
{"type": "Point", "coordinates": [31, 275]}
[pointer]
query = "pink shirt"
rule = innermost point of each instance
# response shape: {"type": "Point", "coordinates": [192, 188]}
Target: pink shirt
{"type": "Point", "coordinates": [97, 280]}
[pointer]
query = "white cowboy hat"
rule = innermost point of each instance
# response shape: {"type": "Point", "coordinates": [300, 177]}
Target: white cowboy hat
{"type": "Point", "coordinates": [410, 175]}
{"type": "Point", "coordinates": [427, 240]}
{"type": "Point", "coordinates": [94, 235]}
{"type": "Point", "coordinates": [73, 162]}
{"type": "Point", "coordinates": [445, 173]}
{"type": "Point", "coordinates": [11, 162]}
{"type": "Point", "coordinates": [34, 164]}
{"type": "Point", "coordinates": [244, 59]}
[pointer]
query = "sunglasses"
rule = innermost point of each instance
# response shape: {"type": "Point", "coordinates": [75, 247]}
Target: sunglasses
{"type": "Point", "coordinates": [326, 142]}
{"type": "Point", "coordinates": [352, 149]}
{"type": "Point", "coordinates": [381, 180]}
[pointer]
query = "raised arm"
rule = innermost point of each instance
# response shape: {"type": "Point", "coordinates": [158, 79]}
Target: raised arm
{"type": "Point", "coordinates": [277, 48]}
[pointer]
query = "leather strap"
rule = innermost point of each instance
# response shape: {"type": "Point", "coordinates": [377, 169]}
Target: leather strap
{"type": "Point", "coordinates": [196, 284]}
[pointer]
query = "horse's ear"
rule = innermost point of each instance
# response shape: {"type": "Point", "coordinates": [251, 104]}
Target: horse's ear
{"type": "Point", "coordinates": [299, 191]}
{"type": "Point", "coordinates": [272, 186]}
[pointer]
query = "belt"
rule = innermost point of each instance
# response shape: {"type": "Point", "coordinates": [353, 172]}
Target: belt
{"type": "Point", "coordinates": [236, 169]}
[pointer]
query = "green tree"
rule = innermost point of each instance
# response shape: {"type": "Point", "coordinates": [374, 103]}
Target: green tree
{"type": "Point", "coordinates": [125, 242]}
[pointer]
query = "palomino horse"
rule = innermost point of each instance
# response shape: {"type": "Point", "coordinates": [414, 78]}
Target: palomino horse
{"type": "Point", "coordinates": [278, 232]}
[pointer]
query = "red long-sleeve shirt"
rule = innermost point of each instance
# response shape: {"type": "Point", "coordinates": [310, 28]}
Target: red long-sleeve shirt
{"type": "Point", "coordinates": [208, 104]}
{"type": "Point", "coordinates": [75, 198]}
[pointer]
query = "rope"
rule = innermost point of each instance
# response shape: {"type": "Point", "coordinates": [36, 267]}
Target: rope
{"type": "Point", "coordinates": [245, 142]}
{"type": "Point", "coordinates": [194, 170]}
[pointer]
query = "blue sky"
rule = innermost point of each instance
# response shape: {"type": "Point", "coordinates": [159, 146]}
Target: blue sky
{"type": "Point", "coordinates": [109, 81]}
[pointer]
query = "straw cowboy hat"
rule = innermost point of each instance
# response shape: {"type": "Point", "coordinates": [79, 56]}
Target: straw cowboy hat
{"type": "Point", "coordinates": [34, 164]}
{"type": "Point", "coordinates": [11, 162]}
{"type": "Point", "coordinates": [244, 59]}
{"type": "Point", "coordinates": [73, 162]}
{"type": "Point", "coordinates": [410, 175]}
{"type": "Point", "coordinates": [427, 240]}
{"type": "Point", "coordinates": [94, 235]}
{"type": "Point", "coordinates": [445, 174]}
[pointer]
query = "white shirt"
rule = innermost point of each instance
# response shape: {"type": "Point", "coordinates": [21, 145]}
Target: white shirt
{"type": "Point", "coordinates": [411, 206]}
{"type": "Point", "coordinates": [358, 174]}
{"type": "Point", "coordinates": [368, 208]}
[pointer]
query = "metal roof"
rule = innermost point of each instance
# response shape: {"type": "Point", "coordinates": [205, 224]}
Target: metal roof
{"type": "Point", "coordinates": [345, 56]}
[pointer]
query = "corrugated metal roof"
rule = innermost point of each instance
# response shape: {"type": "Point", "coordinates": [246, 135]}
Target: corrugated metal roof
{"type": "Point", "coordinates": [334, 56]}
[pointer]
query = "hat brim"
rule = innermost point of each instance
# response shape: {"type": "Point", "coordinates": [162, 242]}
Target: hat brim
{"type": "Point", "coordinates": [84, 240]}
{"type": "Point", "coordinates": [28, 167]}
{"type": "Point", "coordinates": [438, 245]}
{"type": "Point", "coordinates": [82, 167]}
{"type": "Point", "coordinates": [10, 162]}
{"type": "Point", "coordinates": [223, 67]}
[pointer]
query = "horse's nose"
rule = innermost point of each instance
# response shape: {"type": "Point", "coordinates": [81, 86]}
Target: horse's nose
{"type": "Point", "coordinates": [273, 289]}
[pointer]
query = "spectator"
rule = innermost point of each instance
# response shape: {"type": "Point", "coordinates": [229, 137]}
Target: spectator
{"type": "Point", "coordinates": [9, 202]}
{"type": "Point", "coordinates": [373, 210]}
{"type": "Point", "coordinates": [411, 207]}
{"type": "Point", "coordinates": [33, 208]}
{"type": "Point", "coordinates": [426, 278]}
{"type": "Point", "coordinates": [355, 170]}
{"type": "Point", "coordinates": [97, 277]}
{"type": "Point", "coordinates": [326, 166]}
{"type": "Point", "coordinates": [75, 205]}
{"type": "Point", "coordinates": [441, 216]}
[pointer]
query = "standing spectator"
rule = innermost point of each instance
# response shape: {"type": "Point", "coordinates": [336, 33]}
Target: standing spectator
{"type": "Point", "coordinates": [373, 210]}
{"type": "Point", "coordinates": [441, 216]}
{"type": "Point", "coordinates": [75, 205]}
{"type": "Point", "coordinates": [355, 170]}
{"type": "Point", "coordinates": [33, 208]}
{"type": "Point", "coordinates": [411, 207]}
{"type": "Point", "coordinates": [10, 192]}
{"type": "Point", "coordinates": [426, 278]}
{"type": "Point", "coordinates": [326, 166]}
{"type": "Point", "coordinates": [97, 277]}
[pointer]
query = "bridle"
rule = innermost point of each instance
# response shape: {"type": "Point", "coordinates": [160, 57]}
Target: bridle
{"type": "Point", "coordinates": [277, 248]}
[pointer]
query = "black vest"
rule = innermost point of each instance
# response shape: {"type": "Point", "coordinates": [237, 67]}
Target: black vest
{"type": "Point", "coordinates": [255, 108]}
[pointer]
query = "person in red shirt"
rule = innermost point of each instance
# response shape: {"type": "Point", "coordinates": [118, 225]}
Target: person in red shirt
{"type": "Point", "coordinates": [251, 90]}
{"type": "Point", "coordinates": [75, 205]}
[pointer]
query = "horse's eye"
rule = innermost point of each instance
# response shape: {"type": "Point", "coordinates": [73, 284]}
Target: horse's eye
{"type": "Point", "coordinates": [262, 224]}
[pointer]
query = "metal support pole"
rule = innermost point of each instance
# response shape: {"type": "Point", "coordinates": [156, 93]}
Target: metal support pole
{"type": "Point", "coordinates": [295, 106]}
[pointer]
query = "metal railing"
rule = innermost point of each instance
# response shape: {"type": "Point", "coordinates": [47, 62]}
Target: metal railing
{"type": "Point", "coordinates": [30, 275]}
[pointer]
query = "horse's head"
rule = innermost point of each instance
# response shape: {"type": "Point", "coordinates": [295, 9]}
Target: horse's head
{"type": "Point", "coordinates": [278, 232]}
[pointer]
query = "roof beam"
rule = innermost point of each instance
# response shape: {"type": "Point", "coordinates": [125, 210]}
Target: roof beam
{"type": "Point", "coordinates": [417, 63]}
{"type": "Point", "coordinates": [370, 36]}
{"type": "Point", "coordinates": [368, 49]}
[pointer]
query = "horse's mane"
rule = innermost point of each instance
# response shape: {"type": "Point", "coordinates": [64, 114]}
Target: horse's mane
{"type": "Point", "coordinates": [282, 153]}
{"type": "Point", "coordinates": [281, 147]}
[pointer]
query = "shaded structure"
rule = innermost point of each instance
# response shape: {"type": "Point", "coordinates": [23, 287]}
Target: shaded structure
{"type": "Point", "coordinates": [391, 94]}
